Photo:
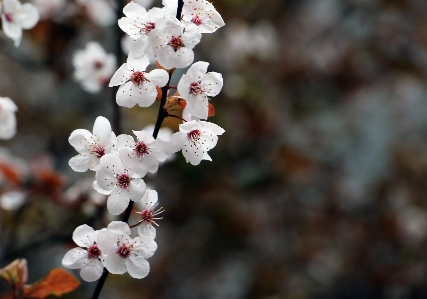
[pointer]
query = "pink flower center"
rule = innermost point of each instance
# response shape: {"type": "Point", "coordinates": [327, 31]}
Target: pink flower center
{"type": "Point", "coordinates": [123, 181]}
{"type": "Point", "coordinates": [176, 43]}
{"type": "Point", "coordinates": [93, 252]}
{"type": "Point", "coordinates": [194, 135]}
{"type": "Point", "coordinates": [137, 78]}
{"type": "Point", "coordinates": [9, 17]}
{"type": "Point", "coordinates": [197, 20]}
{"type": "Point", "coordinates": [147, 27]}
{"type": "Point", "coordinates": [98, 150]}
{"type": "Point", "coordinates": [98, 65]}
{"type": "Point", "coordinates": [196, 88]}
{"type": "Point", "coordinates": [141, 149]}
{"type": "Point", "coordinates": [147, 216]}
{"type": "Point", "coordinates": [124, 251]}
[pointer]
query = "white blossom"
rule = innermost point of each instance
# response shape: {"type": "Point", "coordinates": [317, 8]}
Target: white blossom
{"type": "Point", "coordinates": [144, 155]}
{"type": "Point", "coordinates": [91, 147]}
{"type": "Point", "coordinates": [149, 211]}
{"type": "Point", "coordinates": [16, 16]}
{"type": "Point", "coordinates": [120, 183]}
{"type": "Point", "coordinates": [203, 14]}
{"type": "Point", "coordinates": [138, 24]}
{"type": "Point", "coordinates": [93, 67]}
{"type": "Point", "coordinates": [164, 134]}
{"type": "Point", "coordinates": [196, 138]}
{"type": "Point", "coordinates": [173, 43]}
{"type": "Point", "coordinates": [7, 118]}
{"type": "Point", "coordinates": [137, 86]}
{"type": "Point", "coordinates": [88, 256]}
{"type": "Point", "coordinates": [195, 87]}
{"type": "Point", "coordinates": [124, 253]}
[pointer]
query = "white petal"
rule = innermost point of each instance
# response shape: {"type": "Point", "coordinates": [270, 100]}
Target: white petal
{"type": "Point", "coordinates": [92, 271]}
{"type": "Point", "coordinates": [100, 190]}
{"type": "Point", "coordinates": [212, 127]}
{"type": "Point", "coordinates": [139, 64]}
{"type": "Point", "coordinates": [158, 77]}
{"type": "Point", "coordinates": [79, 163]}
{"type": "Point", "coordinates": [193, 152]}
{"type": "Point", "coordinates": [12, 30]}
{"type": "Point", "coordinates": [177, 141]}
{"type": "Point", "coordinates": [75, 258]}
{"type": "Point", "coordinates": [82, 235]}
{"type": "Point", "coordinates": [145, 246]}
{"type": "Point", "coordinates": [137, 189]}
{"type": "Point", "coordinates": [115, 264]}
{"type": "Point", "coordinates": [123, 97]}
{"type": "Point", "coordinates": [118, 201]}
{"type": "Point", "coordinates": [137, 266]}
{"type": "Point", "coordinates": [119, 226]}
{"type": "Point", "coordinates": [28, 16]}
{"type": "Point", "coordinates": [134, 10]}
{"type": "Point", "coordinates": [122, 75]}
{"type": "Point", "coordinates": [102, 130]}
{"type": "Point", "coordinates": [80, 140]}
{"type": "Point", "coordinates": [146, 230]}
{"type": "Point", "coordinates": [198, 70]}
{"type": "Point", "coordinates": [212, 83]}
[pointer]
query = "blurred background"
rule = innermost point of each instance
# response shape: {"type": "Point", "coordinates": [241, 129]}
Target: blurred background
{"type": "Point", "coordinates": [316, 190]}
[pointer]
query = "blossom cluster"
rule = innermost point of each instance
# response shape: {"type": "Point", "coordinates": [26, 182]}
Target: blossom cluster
{"type": "Point", "coordinates": [121, 162]}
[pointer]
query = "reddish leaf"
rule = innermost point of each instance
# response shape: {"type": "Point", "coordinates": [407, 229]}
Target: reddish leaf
{"type": "Point", "coordinates": [10, 173]}
{"type": "Point", "coordinates": [16, 273]}
{"type": "Point", "coordinates": [159, 93]}
{"type": "Point", "coordinates": [57, 282]}
{"type": "Point", "coordinates": [211, 111]}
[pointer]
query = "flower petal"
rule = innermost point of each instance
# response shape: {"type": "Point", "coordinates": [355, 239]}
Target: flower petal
{"type": "Point", "coordinates": [92, 271]}
{"type": "Point", "coordinates": [75, 258]}
{"type": "Point", "coordinates": [137, 266]}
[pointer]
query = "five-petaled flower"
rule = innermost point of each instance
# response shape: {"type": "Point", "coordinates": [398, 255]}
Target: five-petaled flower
{"type": "Point", "coordinates": [148, 213]}
{"type": "Point", "coordinates": [124, 253]}
{"type": "Point", "coordinates": [136, 86]}
{"type": "Point", "coordinates": [173, 43]}
{"type": "Point", "coordinates": [88, 256]}
{"type": "Point", "coordinates": [91, 147]}
{"type": "Point", "coordinates": [196, 86]}
{"type": "Point", "coordinates": [120, 183]}
{"type": "Point", "coordinates": [196, 138]}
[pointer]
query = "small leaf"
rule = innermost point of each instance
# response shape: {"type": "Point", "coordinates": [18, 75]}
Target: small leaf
{"type": "Point", "coordinates": [57, 282]}
{"type": "Point", "coordinates": [211, 111]}
{"type": "Point", "coordinates": [16, 273]}
{"type": "Point", "coordinates": [159, 93]}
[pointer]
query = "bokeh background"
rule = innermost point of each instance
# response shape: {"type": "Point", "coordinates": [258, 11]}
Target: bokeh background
{"type": "Point", "coordinates": [316, 190]}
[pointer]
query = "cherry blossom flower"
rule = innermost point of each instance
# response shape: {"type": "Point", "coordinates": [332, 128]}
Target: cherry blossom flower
{"type": "Point", "coordinates": [88, 257]}
{"type": "Point", "coordinates": [197, 85]}
{"type": "Point", "coordinates": [203, 14]}
{"type": "Point", "coordinates": [138, 24]}
{"type": "Point", "coordinates": [196, 138]}
{"type": "Point", "coordinates": [93, 67]}
{"type": "Point", "coordinates": [124, 253]}
{"type": "Point", "coordinates": [148, 213]}
{"type": "Point", "coordinates": [173, 43]}
{"type": "Point", "coordinates": [15, 17]}
{"type": "Point", "coordinates": [7, 118]}
{"type": "Point", "coordinates": [119, 182]}
{"type": "Point", "coordinates": [136, 86]}
{"type": "Point", "coordinates": [144, 155]}
{"type": "Point", "coordinates": [91, 147]}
